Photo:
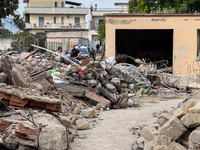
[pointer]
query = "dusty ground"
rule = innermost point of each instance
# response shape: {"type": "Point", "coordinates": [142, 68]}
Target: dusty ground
{"type": "Point", "coordinates": [113, 128]}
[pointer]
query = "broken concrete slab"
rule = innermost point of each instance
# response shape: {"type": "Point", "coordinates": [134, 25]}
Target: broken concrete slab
{"type": "Point", "coordinates": [77, 111]}
{"type": "Point", "coordinates": [173, 128]}
{"type": "Point", "coordinates": [180, 112]}
{"type": "Point", "coordinates": [88, 113]}
{"type": "Point", "coordinates": [98, 99]}
{"type": "Point", "coordinates": [191, 120]}
{"type": "Point", "coordinates": [65, 121]}
{"type": "Point", "coordinates": [148, 133]}
{"type": "Point", "coordinates": [82, 124]}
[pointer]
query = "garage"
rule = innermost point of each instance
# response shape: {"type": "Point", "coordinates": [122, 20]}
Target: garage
{"type": "Point", "coordinates": [150, 45]}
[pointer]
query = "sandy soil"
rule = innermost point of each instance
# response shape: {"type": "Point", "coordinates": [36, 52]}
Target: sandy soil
{"type": "Point", "coordinates": [112, 130]}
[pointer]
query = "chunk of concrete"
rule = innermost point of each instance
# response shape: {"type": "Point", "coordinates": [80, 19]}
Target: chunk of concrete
{"type": "Point", "coordinates": [191, 120]}
{"type": "Point", "coordinates": [131, 86]}
{"type": "Point", "coordinates": [162, 140]}
{"type": "Point", "coordinates": [161, 147]}
{"type": "Point", "coordinates": [111, 87]}
{"type": "Point", "coordinates": [72, 130]}
{"type": "Point", "coordinates": [88, 113]}
{"type": "Point", "coordinates": [65, 121]}
{"type": "Point", "coordinates": [163, 118]}
{"type": "Point", "coordinates": [176, 146]}
{"type": "Point", "coordinates": [149, 146]}
{"type": "Point", "coordinates": [180, 112]}
{"type": "Point", "coordinates": [53, 137]}
{"type": "Point", "coordinates": [195, 137]}
{"type": "Point", "coordinates": [77, 111]}
{"type": "Point", "coordinates": [196, 108]}
{"type": "Point", "coordinates": [173, 128]}
{"type": "Point", "coordinates": [3, 77]}
{"type": "Point", "coordinates": [148, 133]}
{"type": "Point", "coordinates": [140, 142]}
{"type": "Point", "coordinates": [82, 124]}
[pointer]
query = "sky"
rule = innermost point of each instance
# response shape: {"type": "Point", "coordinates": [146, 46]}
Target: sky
{"type": "Point", "coordinates": [85, 3]}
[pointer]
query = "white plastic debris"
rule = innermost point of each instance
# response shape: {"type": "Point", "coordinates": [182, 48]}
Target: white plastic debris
{"type": "Point", "coordinates": [111, 61]}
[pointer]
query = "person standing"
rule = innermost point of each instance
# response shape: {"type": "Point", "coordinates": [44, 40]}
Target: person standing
{"type": "Point", "coordinates": [75, 53]}
{"type": "Point", "coordinates": [97, 48]}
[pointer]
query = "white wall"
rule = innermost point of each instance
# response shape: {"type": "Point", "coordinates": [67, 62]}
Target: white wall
{"type": "Point", "coordinates": [5, 43]}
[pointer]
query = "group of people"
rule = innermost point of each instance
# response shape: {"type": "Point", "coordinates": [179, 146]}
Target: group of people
{"type": "Point", "coordinates": [74, 53]}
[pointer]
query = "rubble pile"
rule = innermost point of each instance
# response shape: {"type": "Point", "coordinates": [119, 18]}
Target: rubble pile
{"type": "Point", "coordinates": [44, 101]}
{"type": "Point", "coordinates": [178, 129]}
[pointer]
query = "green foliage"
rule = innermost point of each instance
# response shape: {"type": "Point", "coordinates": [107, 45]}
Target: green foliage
{"type": "Point", "coordinates": [164, 6]}
{"type": "Point", "coordinates": [101, 31]}
{"type": "Point", "coordinates": [23, 40]}
{"type": "Point", "coordinates": [8, 8]}
{"type": "Point", "coordinates": [138, 6]}
{"type": "Point", "coordinates": [6, 33]}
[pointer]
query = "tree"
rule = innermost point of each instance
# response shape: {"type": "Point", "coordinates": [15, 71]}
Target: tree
{"type": "Point", "coordinates": [23, 40]}
{"type": "Point", "coordinates": [8, 8]}
{"type": "Point", "coordinates": [101, 31]}
{"type": "Point", "coordinates": [5, 33]}
{"type": "Point", "coordinates": [164, 6]}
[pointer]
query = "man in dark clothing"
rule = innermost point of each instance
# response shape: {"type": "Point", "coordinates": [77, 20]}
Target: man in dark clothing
{"type": "Point", "coordinates": [97, 48]}
{"type": "Point", "coordinates": [75, 53]}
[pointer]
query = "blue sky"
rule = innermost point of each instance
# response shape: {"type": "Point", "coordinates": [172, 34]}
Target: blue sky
{"type": "Point", "coordinates": [85, 3]}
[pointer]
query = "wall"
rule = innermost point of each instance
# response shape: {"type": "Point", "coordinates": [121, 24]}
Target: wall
{"type": "Point", "coordinates": [50, 19]}
{"type": "Point", "coordinates": [45, 3]}
{"type": "Point", "coordinates": [184, 38]}
{"type": "Point", "coordinates": [5, 43]}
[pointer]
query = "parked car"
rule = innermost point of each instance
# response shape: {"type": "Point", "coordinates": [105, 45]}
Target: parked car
{"type": "Point", "coordinates": [87, 52]}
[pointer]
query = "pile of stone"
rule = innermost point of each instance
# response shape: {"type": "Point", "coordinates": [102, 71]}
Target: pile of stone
{"type": "Point", "coordinates": [177, 130]}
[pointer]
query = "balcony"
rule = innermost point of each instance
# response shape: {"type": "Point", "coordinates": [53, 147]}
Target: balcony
{"type": "Point", "coordinates": [54, 26]}
{"type": "Point", "coordinates": [64, 11]}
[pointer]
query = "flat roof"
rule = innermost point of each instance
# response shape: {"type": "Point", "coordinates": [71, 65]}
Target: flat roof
{"type": "Point", "coordinates": [148, 14]}
{"type": "Point", "coordinates": [116, 4]}
{"type": "Point", "coordinates": [73, 3]}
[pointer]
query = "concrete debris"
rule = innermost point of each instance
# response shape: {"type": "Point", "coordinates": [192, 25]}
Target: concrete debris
{"type": "Point", "coordinates": [44, 101]}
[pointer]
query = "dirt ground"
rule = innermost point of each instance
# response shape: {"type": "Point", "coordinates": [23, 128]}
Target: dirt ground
{"type": "Point", "coordinates": [112, 130]}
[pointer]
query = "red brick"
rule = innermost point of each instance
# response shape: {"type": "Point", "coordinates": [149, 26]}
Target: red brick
{"type": "Point", "coordinates": [37, 104]}
{"type": "Point", "coordinates": [14, 100]}
{"type": "Point", "coordinates": [54, 107]}
{"type": "Point", "coordinates": [5, 95]}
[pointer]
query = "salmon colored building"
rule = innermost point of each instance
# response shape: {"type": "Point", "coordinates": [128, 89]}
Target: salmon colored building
{"type": "Point", "coordinates": [172, 37]}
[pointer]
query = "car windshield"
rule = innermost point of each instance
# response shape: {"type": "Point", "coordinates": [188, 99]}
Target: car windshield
{"type": "Point", "coordinates": [83, 50]}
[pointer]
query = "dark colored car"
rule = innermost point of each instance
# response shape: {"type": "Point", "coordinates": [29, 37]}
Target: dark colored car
{"type": "Point", "coordinates": [87, 52]}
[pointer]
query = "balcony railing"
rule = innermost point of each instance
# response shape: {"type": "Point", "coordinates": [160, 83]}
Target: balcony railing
{"type": "Point", "coordinates": [54, 26]}
{"type": "Point", "coordinates": [46, 10]}
{"type": "Point", "coordinates": [93, 25]}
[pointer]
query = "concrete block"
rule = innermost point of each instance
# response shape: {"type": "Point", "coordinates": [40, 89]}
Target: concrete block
{"type": "Point", "coordinates": [163, 118]}
{"type": "Point", "coordinates": [77, 111]}
{"type": "Point", "coordinates": [111, 87]}
{"type": "Point", "coordinates": [195, 137]}
{"type": "Point", "coordinates": [176, 146]}
{"type": "Point", "coordinates": [196, 108]}
{"type": "Point", "coordinates": [149, 146]}
{"type": "Point", "coordinates": [82, 124]}
{"type": "Point", "coordinates": [148, 133]}
{"type": "Point", "coordinates": [161, 147]}
{"type": "Point", "coordinates": [65, 121]}
{"type": "Point", "coordinates": [191, 120]}
{"type": "Point", "coordinates": [180, 112]}
{"type": "Point", "coordinates": [88, 113]}
{"type": "Point", "coordinates": [162, 140]}
{"type": "Point", "coordinates": [173, 128]}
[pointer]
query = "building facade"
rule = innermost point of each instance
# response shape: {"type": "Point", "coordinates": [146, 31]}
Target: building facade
{"type": "Point", "coordinates": [171, 37]}
{"type": "Point", "coordinates": [53, 15]}
{"type": "Point", "coordinates": [96, 17]}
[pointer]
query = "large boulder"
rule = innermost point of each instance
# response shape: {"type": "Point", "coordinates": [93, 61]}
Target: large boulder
{"type": "Point", "coordinates": [173, 128]}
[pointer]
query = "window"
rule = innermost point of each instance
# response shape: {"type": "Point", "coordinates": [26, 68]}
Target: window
{"type": "Point", "coordinates": [77, 21]}
{"type": "Point", "coordinates": [56, 4]}
{"type": "Point", "coordinates": [100, 21]}
{"type": "Point", "coordinates": [62, 20]}
{"type": "Point", "coordinates": [41, 21]}
{"type": "Point", "coordinates": [62, 4]}
{"type": "Point", "coordinates": [54, 20]}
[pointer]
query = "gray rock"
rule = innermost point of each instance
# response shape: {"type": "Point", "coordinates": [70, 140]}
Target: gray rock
{"type": "Point", "coordinates": [53, 137]}
{"type": "Point", "coordinates": [77, 111]}
{"type": "Point", "coordinates": [195, 137]}
{"type": "Point", "coordinates": [191, 120]}
{"type": "Point", "coordinates": [180, 112]}
{"type": "Point", "coordinates": [173, 128]}
{"type": "Point", "coordinates": [65, 121]}
{"type": "Point", "coordinates": [88, 113]}
{"type": "Point", "coordinates": [82, 124]}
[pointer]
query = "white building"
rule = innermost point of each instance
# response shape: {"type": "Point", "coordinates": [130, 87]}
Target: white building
{"type": "Point", "coordinates": [96, 17]}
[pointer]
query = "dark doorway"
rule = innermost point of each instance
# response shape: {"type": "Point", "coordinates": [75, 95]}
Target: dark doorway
{"type": "Point", "coordinates": [152, 45]}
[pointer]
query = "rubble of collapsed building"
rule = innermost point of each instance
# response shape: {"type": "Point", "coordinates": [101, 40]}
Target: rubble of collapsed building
{"type": "Point", "coordinates": [43, 102]}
